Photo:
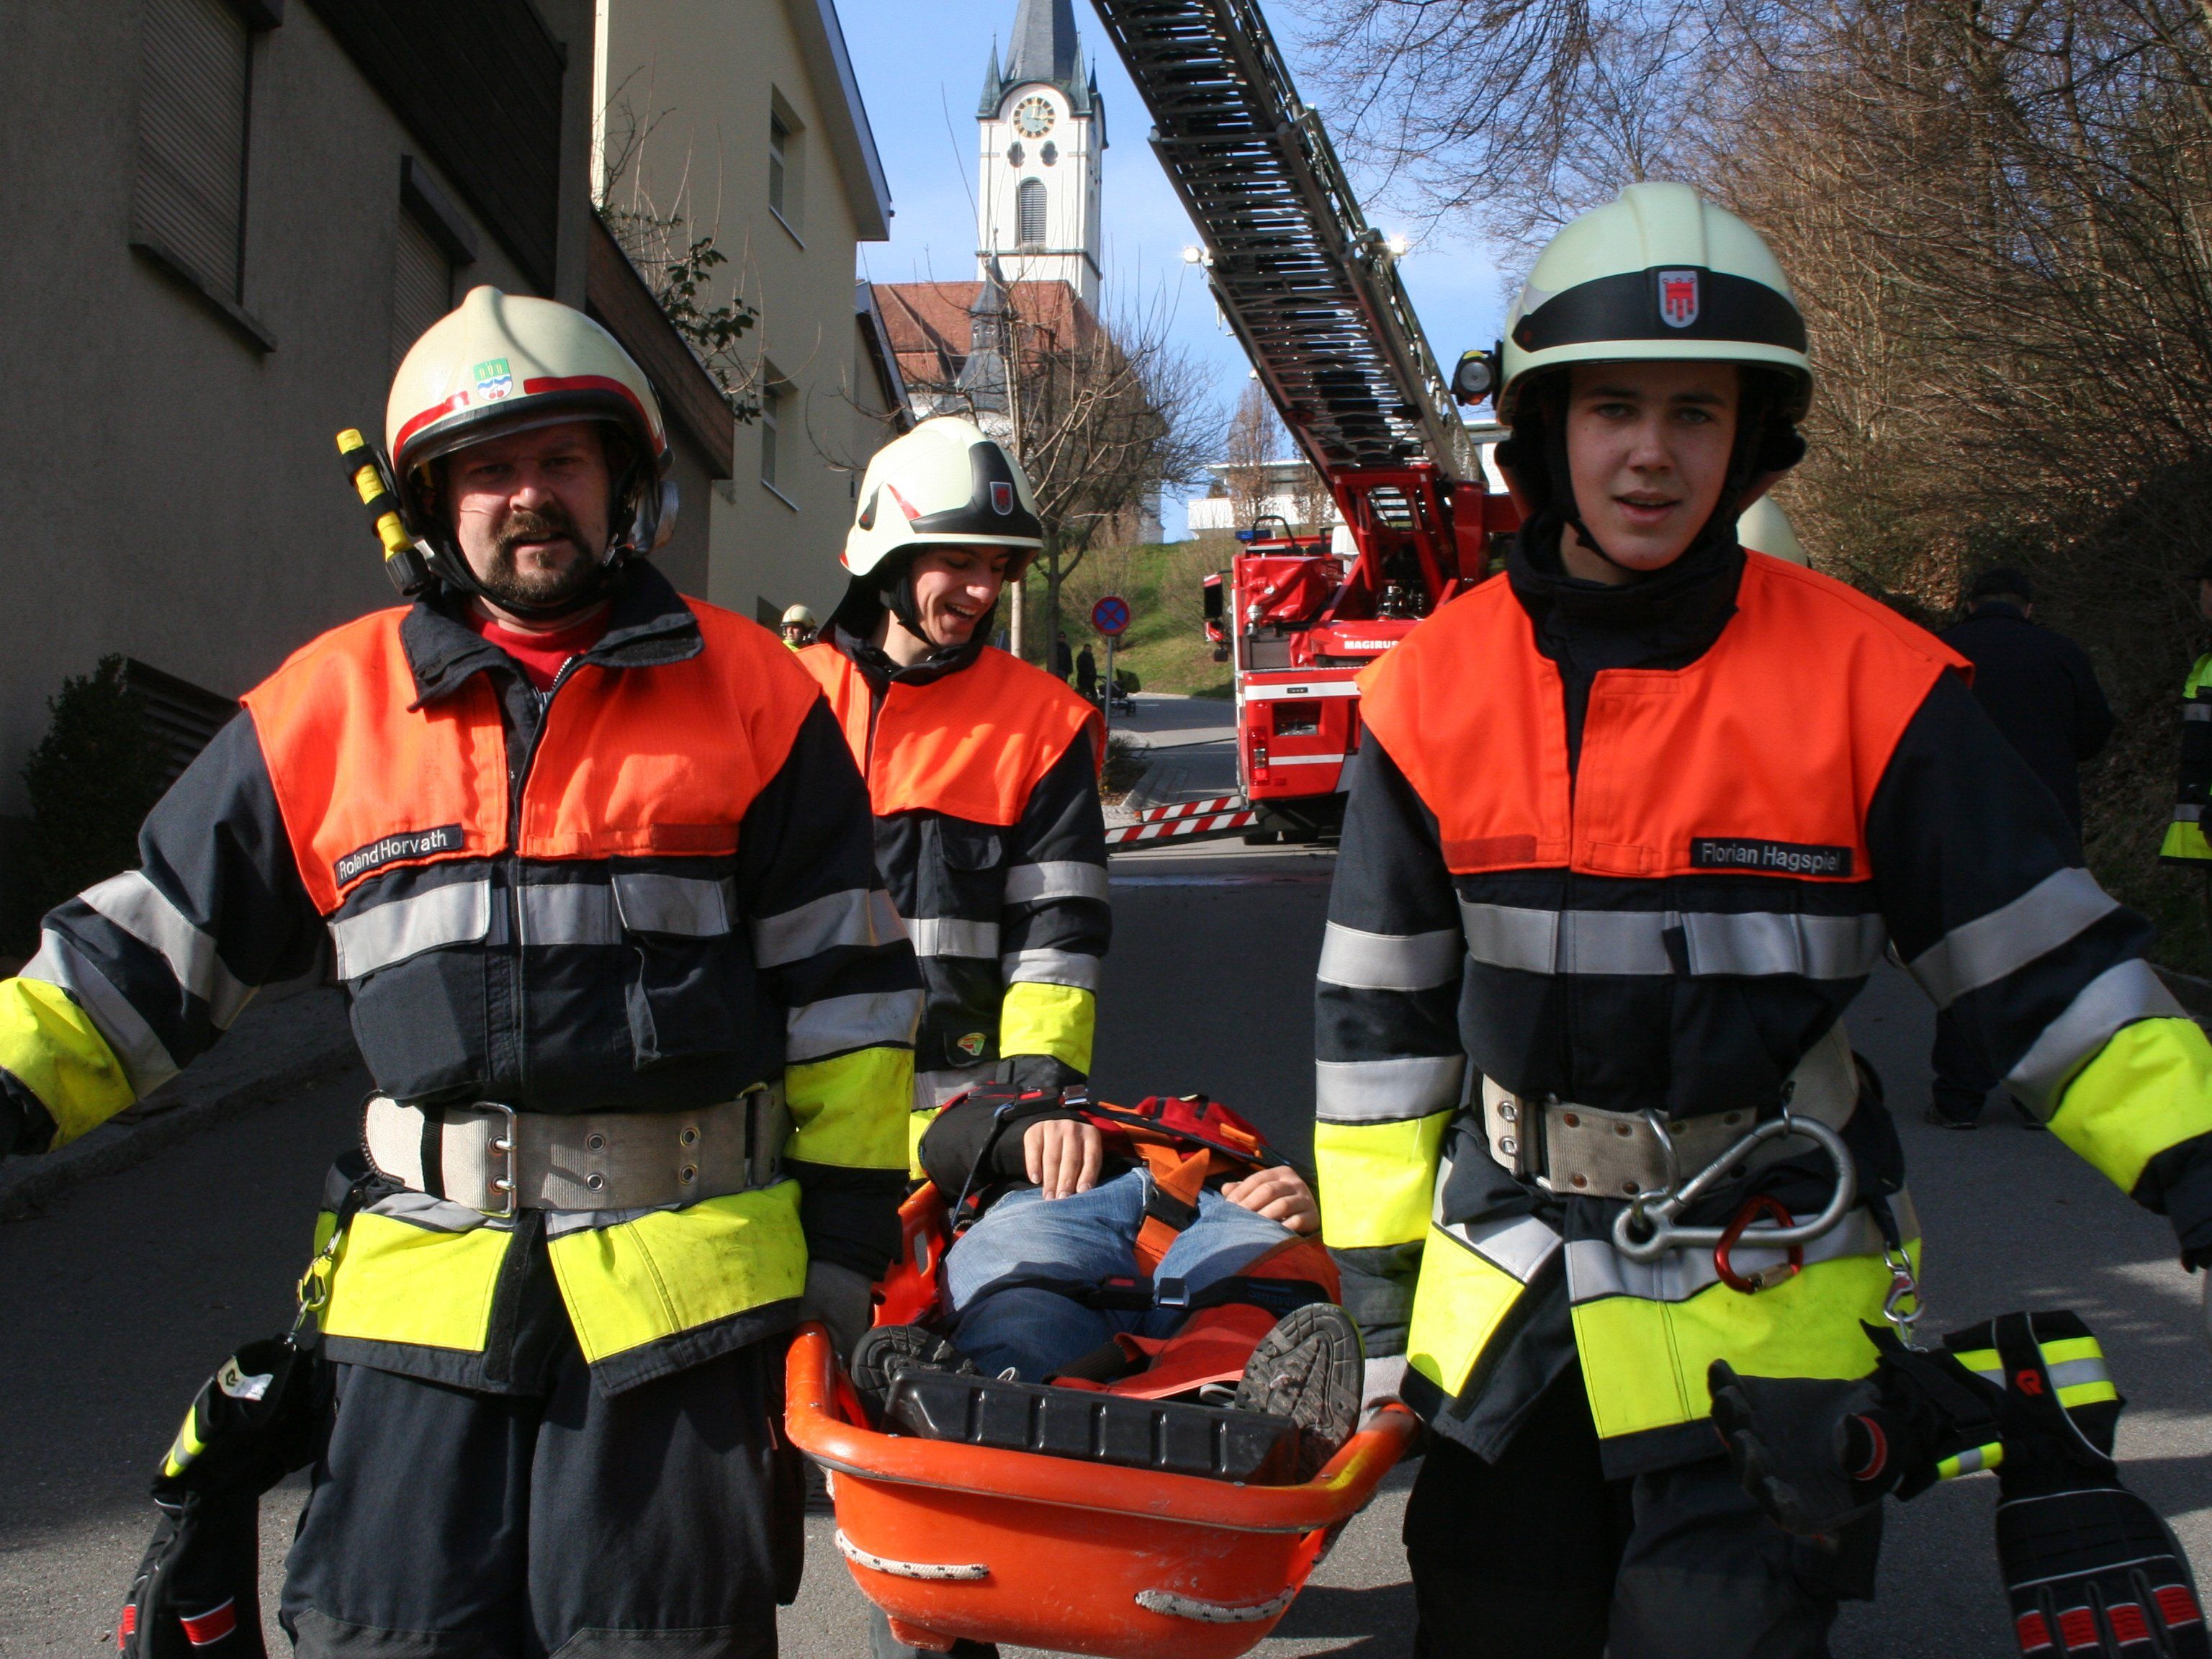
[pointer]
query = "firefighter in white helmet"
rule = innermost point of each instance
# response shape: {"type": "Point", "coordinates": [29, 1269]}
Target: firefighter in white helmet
{"type": "Point", "coordinates": [1630, 829]}
{"type": "Point", "coordinates": [982, 771]}
{"type": "Point", "coordinates": [798, 626]}
{"type": "Point", "coordinates": [597, 871]}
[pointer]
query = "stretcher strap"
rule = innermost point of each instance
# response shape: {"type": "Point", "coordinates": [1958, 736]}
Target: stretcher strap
{"type": "Point", "coordinates": [1172, 1205]}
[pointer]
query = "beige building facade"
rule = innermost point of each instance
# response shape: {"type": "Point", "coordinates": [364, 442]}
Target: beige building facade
{"type": "Point", "coordinates": [741, 121]}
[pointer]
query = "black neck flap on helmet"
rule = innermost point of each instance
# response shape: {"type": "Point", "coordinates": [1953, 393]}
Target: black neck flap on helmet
{"type": "Point", "coordinates": [1766, 442]}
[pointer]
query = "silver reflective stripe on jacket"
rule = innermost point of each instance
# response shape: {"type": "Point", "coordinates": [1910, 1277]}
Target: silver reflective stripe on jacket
{"type": "Point", "coordinates": [1985, 949]}
{"type": "Point", "coordinates": [1071, 968]}
{"type": "Point", "coordinates": [866, 1019]}
{"type": "Point", "coordinates": [1387, 1091]}
{"type": "Point", "coordinates": [949, 936]}
{"type": "Point", "coordinates": [859, 916]}
{"type": "Point", "coordinates": [384, 935]}
{"type": "Point", "coordinates": [144, 1057]}
{"type": "Point", "coordinates": [1060, 878]}
{"type": "Point", "coordinates": [140, 909]}
{"type": "Point", "coordinates": [1361, 960]}
{"type": "Point", "coordinates": [1596, 1270]}
{"type": "Point", "coordinates": [2119, 996]}
{"type": "Point", "coordinates": [1716, 943]}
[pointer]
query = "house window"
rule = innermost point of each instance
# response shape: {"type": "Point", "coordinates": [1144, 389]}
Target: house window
{"type": "Point", "coordinates": [195, 76]}
{"type": "Point", "coordinates": [421, 284]}
{"type": "Point", "coordinates": [779, 160]}
{"type": "Point", "coordinates": [1028, 213]}
{"type": "Point", "coordinates": [775, 405]}
{"type": "Point", "coordinates": [787, 163]}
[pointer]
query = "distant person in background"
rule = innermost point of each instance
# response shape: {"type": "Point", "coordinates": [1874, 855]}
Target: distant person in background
{"type": "Point", "coordinates": [1086, 675]}
{"type": "Point", "coordinates": [2184, 840]}
{"type": "Point", "coordinates": [1063, 662]}
{"type": "Point", "coordinates": [2038, 688]}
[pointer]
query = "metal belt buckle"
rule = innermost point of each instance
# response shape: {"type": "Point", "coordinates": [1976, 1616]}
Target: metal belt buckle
{"type": "Point", "coordinates": [504, 1146]}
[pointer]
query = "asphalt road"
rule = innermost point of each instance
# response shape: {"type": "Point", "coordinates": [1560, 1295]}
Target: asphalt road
{"type": "Point", "coordinates": [120, 1298]}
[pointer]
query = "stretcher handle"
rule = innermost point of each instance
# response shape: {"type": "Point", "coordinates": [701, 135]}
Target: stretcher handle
{"type": "Point", "coordinates": [1335, 1494]}
{"type": "Point", "coordinates": [1656, 1213]}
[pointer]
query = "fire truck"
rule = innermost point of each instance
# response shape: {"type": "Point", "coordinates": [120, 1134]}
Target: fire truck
{"type": "Point", "coordinates": [1312, 292]}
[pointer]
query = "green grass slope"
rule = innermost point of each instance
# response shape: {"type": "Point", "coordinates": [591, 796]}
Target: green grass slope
{"type": "Point", "coordinates": [1165, 646]}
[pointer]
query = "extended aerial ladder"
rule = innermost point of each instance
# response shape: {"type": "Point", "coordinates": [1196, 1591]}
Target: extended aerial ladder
{"type": "Point", "coordinates": [1312, 292]}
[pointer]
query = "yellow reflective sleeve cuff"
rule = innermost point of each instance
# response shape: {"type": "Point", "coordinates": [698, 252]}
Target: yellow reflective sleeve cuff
{"type": "Point", "coordinates": [186, 1446]}
{"type": "Point", "coordinates": [671, 1271]}
{"type": "Point", "coordinates": [850, 1110]}
{"type": "Point", "coordinates": [2149, 1088]}
{"type": "Point", "coordinates": [2184, 840]}
{"type": "Point", "coordinates": [1059, 1020]}
{"type": "Point", "coordinates": [917, 1126]}
{"type": "Point", "coordinates": [1378, 1180]}
{"type": "Point", "coordinates": [51, 1046]}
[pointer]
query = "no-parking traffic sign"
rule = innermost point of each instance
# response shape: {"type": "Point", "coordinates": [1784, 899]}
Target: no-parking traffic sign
{"type": "Point", "coordinates": [1110, 616]}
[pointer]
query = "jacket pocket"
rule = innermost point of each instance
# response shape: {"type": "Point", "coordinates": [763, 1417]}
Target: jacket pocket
{"type": "Point", "coordinates": [414, 967]}
{"type": "Point", "coordinates": [694, 973]}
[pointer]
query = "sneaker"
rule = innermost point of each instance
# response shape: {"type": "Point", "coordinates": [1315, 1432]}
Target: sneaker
{"type": "Point", "coordinates": [886, 1353]}
{"type": "Point", "coordinates": [1308, 1369]}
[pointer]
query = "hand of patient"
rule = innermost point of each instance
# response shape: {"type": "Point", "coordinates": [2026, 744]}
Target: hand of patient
{"type": "Point", "coordinates": [1064, 1158]}
{"type": "Point", "coordinates": [1280, 1194]}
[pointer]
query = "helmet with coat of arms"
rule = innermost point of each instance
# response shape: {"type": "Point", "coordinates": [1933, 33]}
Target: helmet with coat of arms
{"type": "Point", "coordinates": [1658, 275]}
{"type": "Point", "coordinates": [502, 363]}
{"type": "Point", "coordinates": [944, 484]}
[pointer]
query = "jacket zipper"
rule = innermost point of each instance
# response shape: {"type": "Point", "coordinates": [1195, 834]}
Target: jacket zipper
{"type": "Point", "coordinates": [521, 1035]}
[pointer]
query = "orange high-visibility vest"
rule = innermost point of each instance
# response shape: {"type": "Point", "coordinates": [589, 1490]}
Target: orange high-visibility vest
{"type": "Point", "coordinates": [972, 745]}
{"type": "Point", "coordinates": [1760, 757]}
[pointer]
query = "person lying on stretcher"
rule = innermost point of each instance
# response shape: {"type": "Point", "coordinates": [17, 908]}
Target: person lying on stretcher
{"type": "Point", "coordinates": [1159, 1251]}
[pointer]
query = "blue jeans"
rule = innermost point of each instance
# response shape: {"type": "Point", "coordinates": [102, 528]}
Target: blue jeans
{"type": "Point", "coordinates": [1086, 1237]}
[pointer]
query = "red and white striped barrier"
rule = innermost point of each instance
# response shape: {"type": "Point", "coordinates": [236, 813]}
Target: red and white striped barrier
{"type": "Point", "coordinates": [1215, 823]}
{"type": "Point", "coordinates": [1191, 809]}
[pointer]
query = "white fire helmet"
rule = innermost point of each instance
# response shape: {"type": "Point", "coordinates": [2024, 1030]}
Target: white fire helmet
{"type": "Point", "coordinates": [506, 362]}
{"type": "Point", "coordinates": [943, 483]}
{"type": "Point", "coordinates": [1658, 274]}
{"type": "Point", "coordinates": [798, 614]}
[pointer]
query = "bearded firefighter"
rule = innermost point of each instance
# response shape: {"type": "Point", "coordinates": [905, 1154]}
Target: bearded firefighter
{"type": "Point", "coordinates": [596, 870]}
{"type": "Point", "coordinates": [1632, 826]}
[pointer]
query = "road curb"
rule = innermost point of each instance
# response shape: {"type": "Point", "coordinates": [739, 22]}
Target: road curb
{"type": "Point", "coordinates": [276, 1048]}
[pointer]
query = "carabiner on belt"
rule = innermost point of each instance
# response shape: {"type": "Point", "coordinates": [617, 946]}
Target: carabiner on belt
{"type": "Point", "coordinates": [1653, 1214]}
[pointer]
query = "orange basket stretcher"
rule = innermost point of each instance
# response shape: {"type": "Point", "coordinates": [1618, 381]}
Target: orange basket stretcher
{"type": "Point", "coordinates": [954, 1540]}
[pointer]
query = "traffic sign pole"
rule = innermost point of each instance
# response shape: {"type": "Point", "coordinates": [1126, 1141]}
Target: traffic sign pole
{"type": "Point", "coordinates": [1110, 617]}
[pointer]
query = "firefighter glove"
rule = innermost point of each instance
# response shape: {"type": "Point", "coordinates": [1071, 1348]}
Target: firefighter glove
{"type": "Point", "coordinates": [196, 1595]}
{"type": "Point", "coordinates": [1811, 1451]}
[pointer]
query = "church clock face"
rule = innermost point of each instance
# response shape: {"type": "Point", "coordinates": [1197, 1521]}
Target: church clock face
{"type": "Point", "coordinates": [1033, 117]}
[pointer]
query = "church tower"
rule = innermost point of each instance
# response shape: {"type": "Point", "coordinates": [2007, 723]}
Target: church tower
{"type": "Point", "coordinates": [1043, 132]}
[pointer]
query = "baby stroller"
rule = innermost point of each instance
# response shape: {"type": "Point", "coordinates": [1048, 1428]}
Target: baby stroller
{"type": "Point", "coordinates": [1111, 1518]}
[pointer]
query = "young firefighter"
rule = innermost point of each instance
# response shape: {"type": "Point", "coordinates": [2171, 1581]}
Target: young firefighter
{"type": "Point", "coordinates": [596, 869]}
{"type": "Point", "coordinates": [982, 772]}
{"type": "Point", "coordinates": [1631, 828]}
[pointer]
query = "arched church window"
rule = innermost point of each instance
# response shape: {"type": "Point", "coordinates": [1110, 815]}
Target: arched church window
{"type": "Point", "coordinates": [1028, 213]}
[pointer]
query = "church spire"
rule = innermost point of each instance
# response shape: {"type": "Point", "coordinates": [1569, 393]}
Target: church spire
{"type": "Point", "coordinates": [994, 86]}
{"type": "Point", "coordinates": [1043, 46]}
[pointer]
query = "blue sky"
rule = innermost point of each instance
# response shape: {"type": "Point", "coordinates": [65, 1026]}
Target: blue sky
{"type": "Point", "coordinates": [921, 67]}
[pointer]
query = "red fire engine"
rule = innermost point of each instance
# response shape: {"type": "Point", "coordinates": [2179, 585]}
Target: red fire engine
{"type": "Point", "coordinates": [1313, 294]}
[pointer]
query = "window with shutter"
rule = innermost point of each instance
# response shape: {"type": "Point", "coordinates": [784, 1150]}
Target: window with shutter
{"type": "Point", "coordinates": [194, 83]}
{"type": "Point", "coordinates": [1028, 213]}
{"type": "Point", "coordinates": [421, 285]}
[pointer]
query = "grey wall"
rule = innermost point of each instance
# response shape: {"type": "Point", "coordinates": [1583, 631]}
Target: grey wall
{"type": "Point", "coordinates": [167, 490]}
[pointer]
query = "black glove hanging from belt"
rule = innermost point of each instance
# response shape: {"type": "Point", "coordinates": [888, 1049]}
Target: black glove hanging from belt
{"type": "Point", "coordinates": [267, 1412]}
{"type": "Point", "coordinates": [2091, 1568]}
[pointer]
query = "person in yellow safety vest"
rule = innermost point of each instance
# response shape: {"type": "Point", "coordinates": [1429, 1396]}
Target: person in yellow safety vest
{"type": "Point", "coordinates": [1632, 824]}
{"type": "Point", "coordinates": [596, 870]}
{"type": "Point", "coordinates": [798, 626]}
{"type": "Point", "coordinates": [982, 771]}
{"type": "Point", "coordinates": [2185, 841]}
